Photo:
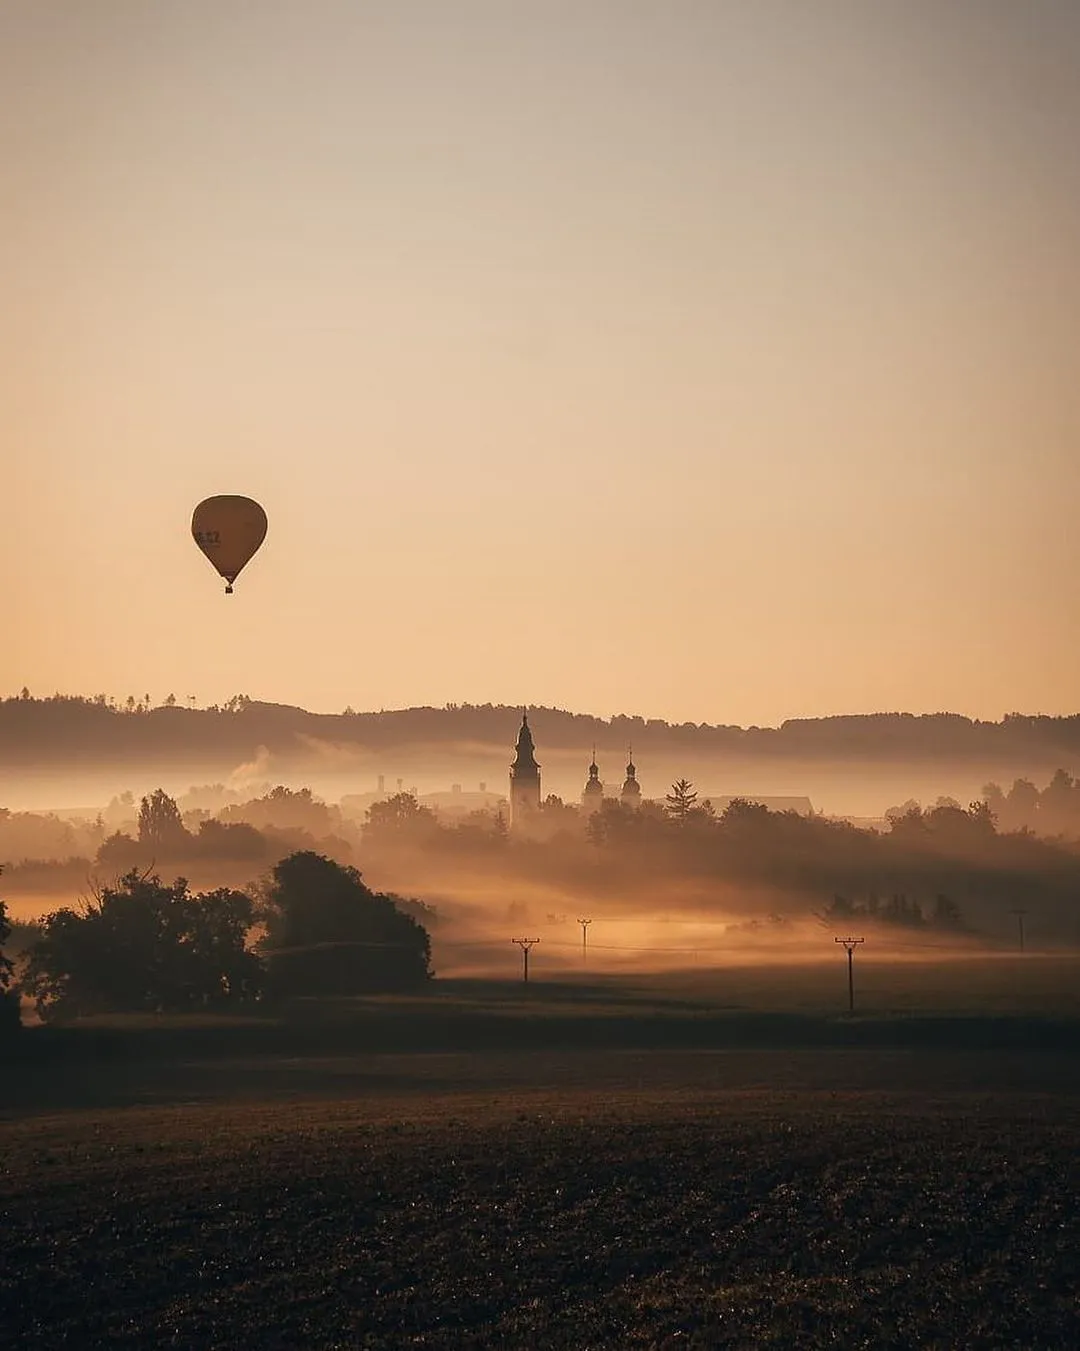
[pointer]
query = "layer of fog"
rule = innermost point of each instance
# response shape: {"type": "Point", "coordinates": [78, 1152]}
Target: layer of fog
{"type": "Point", "coordinates": [659, 925]}
{"type": "Point", "coordinates": [838, 788]}
{"type": "Point", "coordinates": [662, 927]}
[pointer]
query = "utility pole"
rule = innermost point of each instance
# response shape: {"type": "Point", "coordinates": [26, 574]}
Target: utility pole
{"type": "Point", "coordinates": [584, 938]}
{"type": "Point", "coordinates": [850, 945]}
{"type": "Point", "coordinates": [525, 944]}
{"type": "Point", "coordinates": [1019, 913]}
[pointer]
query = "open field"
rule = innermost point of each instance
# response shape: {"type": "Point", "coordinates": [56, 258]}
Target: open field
{"type": "Point", "coordinates": [641, 1216]}
{"type": "Point", "coordinates": [1019, 1007]}
{"type": "Point", "coordinates": [668, 1162]}
{"type": "Point", "coordinates": [975, 984]}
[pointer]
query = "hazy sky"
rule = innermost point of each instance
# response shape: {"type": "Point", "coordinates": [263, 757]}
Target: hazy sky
{"type": "Point", "coordinates": [705, 359]}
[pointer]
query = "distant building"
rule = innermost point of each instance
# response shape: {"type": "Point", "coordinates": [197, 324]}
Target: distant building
{"type": "Point", "coordinates": [525, 782]}
{"type": "Point", "coordinates": [461, 802]}
{"type": "Point", "coordinates": [631, 789]}
{"type": "Point", "coordinates": [592, 795]}
{"type": "Point", "coordinates": [524, 778]}
{"type": "Point", "coordinates": [525, 797]}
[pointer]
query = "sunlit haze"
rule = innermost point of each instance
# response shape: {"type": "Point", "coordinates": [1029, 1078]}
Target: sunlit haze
{"type": "Point", "coordinates": [704, 360]}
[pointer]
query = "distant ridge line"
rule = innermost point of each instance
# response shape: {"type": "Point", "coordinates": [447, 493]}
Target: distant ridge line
{"type": "Point", "coordinates": [63, 729]}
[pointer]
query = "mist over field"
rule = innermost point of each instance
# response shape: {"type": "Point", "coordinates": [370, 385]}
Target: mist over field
{"type": "Point", "coordinates": [73, 753]}
{"type": "Point", "coordinates": [418, 801]}
{"type": "Point", "coordinates": [841, 789]}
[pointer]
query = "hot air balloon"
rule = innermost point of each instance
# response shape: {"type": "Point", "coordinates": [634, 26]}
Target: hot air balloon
{"type": "Point", "coordinates": [229, 530]}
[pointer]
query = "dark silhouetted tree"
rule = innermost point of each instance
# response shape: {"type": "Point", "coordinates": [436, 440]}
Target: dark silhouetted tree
{"type": "Point", "coordinates": [9, 999]}
{"type": "Point", "coordinates": [682, 799]}
{"type": "Point", "coordinates": [909, 808]}
{"type": "Point", "coordinates": [328, 933]}
{"type": "Point", "coordinates": [1058, 805]}
{"type": "Point", "coordinates": [994, 799]}
{"type": "Point", "coordinates": [118, 851]}
{"type": "Point", "coordinates": [161, 827]}
{"type": "Point", "coordinates": [286, 809]}
{"type": "Point", "coordinates": [144, 946]}
{"type": "Point", "coordinates": [1021, 805]}
{"type": "Point", "coordinates": [238, 841]}
{"type": "Point", "coordinates": [982, 818]}
{"type": "Point", "coordinates": [740, 815]}
{"type": "Point", "coordinates": [898, 910]}
{"type": "Point", "coordinates": [398, 815]}
{"type": "Point", "coordinates": [910, 825]}
{"type": "Point", "coordinates": [946, 914]}
{"type": "Point", "coordinates": [559, 813]}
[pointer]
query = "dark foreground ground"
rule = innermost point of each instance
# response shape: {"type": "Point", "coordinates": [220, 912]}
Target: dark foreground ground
{"type": "Point", "coordinates": [679, 1180]}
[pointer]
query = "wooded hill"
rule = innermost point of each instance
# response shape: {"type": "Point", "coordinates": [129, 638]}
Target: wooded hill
{"type": "Point", "coordinates": [63, 730]}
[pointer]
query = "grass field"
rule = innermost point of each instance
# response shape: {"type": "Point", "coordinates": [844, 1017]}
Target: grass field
{"type": "Point", "coordinates": [695, 1161]}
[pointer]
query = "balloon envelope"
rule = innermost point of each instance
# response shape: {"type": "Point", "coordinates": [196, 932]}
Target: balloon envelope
{"type": "Point", "coordinates": [229, 530]}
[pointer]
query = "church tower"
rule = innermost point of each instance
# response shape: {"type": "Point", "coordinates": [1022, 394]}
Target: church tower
{"type": "Point", "coordinates": [592, 797]}
{"type": "Point", "coordinates": [524, 777]}
{"type": "Point", "coordinates": [631, 789]}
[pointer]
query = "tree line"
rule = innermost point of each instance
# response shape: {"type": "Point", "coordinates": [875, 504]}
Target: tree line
{"type": "Point", "coordinates": [947, 866]}
{"type": "Point", "coordinates": [42, 848]}
{"type": "Point", "coordinates": [1053, 810]}
{"type": "Point", "coordinates": [56, 727]}
{"type": "Point", "coordinates": [143, 945]}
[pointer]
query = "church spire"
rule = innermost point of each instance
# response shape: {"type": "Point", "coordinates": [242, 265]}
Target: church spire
{"type": "Point", "coordinates": [631, 789]}
{"type": "Point", "coordinates": [593, 793]}
{"type": "Point", "coordinates": [525, 758]}
{"type": "Point", "coordinates": [524, 775]}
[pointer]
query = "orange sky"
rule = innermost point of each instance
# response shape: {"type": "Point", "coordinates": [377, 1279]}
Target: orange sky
{"type": "Point", "coordinates": [713, 361]}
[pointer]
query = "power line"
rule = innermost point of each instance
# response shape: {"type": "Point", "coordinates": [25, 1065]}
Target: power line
{"type": "Point", "coordinates": [525, 944]}
{"type": "Point", "coordinates": [729, 948]}
{"type": "Point", "coordinates": [850, 945]}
